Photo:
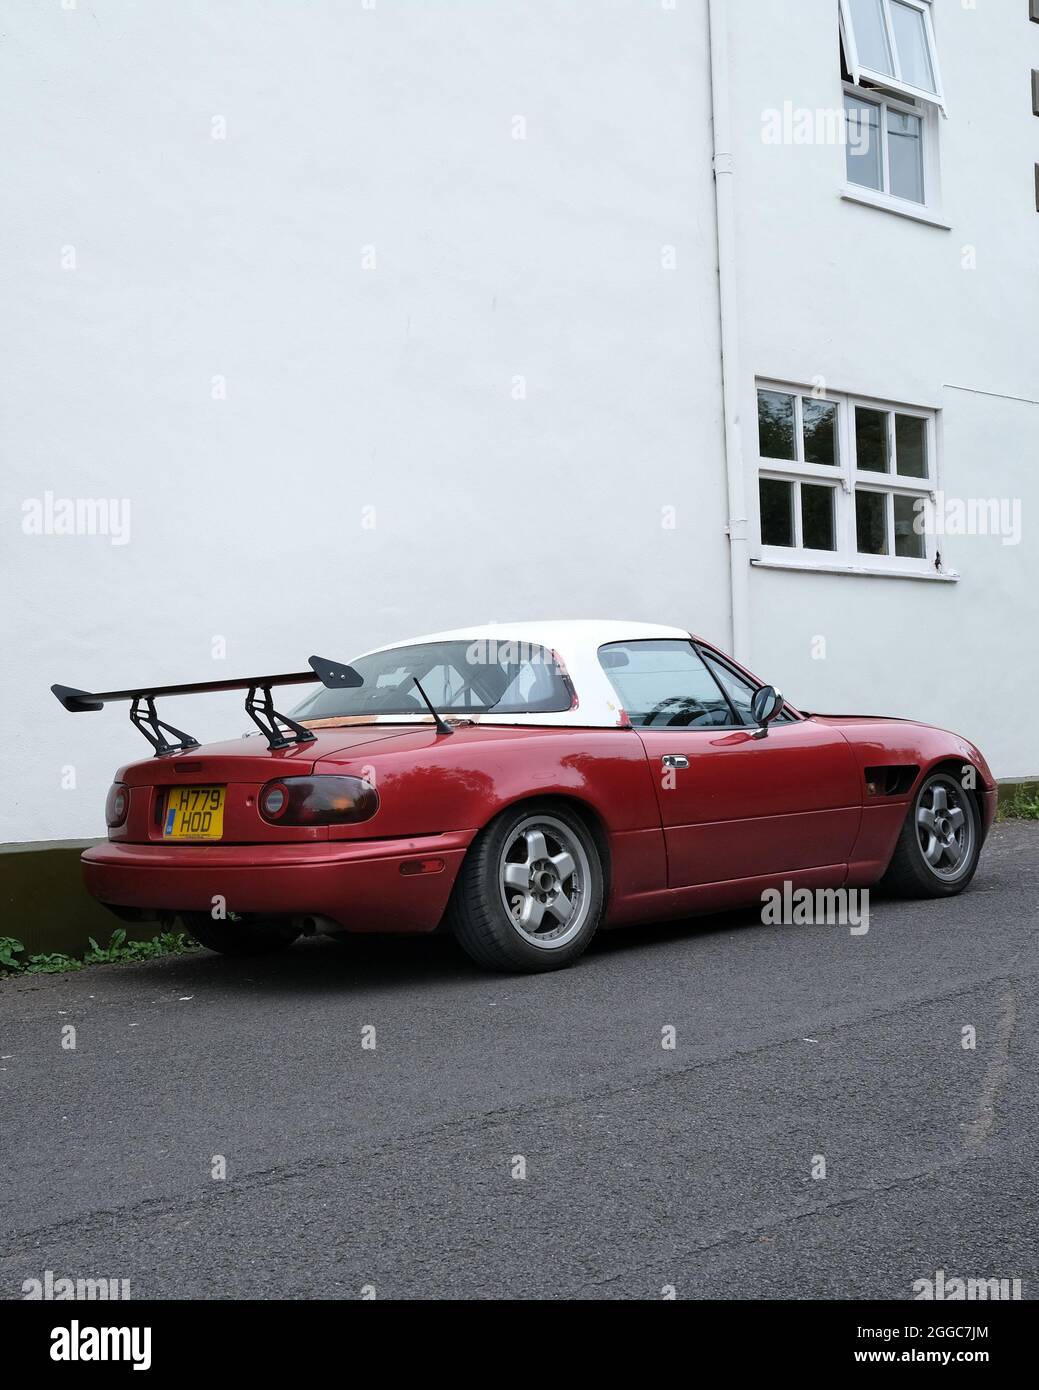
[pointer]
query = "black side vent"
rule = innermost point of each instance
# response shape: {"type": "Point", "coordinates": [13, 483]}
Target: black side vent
{"type": "Point", "coordinates": [890, 781]}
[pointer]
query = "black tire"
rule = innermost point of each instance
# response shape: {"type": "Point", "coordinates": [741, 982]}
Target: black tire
{"type": "Point", "coordinates": [910, 874]}
{"type": "Point", "coordinates": [245, 936]}
{"type": "Point", "coordinates": [478, 913]}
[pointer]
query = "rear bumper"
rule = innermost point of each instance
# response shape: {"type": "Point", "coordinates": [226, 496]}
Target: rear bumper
{"type": "Point", "coordinates": [356, 884]}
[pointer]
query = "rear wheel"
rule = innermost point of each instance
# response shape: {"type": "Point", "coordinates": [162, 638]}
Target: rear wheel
{"type": "Point", "coordinates": [938, 849]}
{"type": "Point", "coordinates": [244, 936]}
{"type": "Point", "coordinates": [529, 896]}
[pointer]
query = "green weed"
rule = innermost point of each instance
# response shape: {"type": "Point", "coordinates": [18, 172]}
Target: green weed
{"type": "Point", "coordinates": [13, 960]}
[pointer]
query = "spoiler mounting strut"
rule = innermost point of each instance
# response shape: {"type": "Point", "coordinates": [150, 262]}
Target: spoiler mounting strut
{"type": "Point", "coordinates": [272, 724]}
{"type": "Point", "coordinates": [151, 726]}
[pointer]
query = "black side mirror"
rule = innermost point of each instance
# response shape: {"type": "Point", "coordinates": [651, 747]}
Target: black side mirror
{"type": "Point", "coordinates": [766, 705]}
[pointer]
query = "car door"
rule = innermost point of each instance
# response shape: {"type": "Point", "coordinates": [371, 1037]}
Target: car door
{"type": "Point", "coordinates": [733, 806]}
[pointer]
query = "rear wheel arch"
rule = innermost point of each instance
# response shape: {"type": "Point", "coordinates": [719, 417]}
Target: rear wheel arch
{"type": "Point", "coordinates": [479, 919]}
{"type": "Point", "coordinates": [591, 817]}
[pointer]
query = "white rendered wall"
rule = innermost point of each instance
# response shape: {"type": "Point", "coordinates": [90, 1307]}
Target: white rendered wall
{"type": "Point", "coordinates": [390, 131]}
{"type": "Point", "coordinates": [882, 306]}
{"type": "Point", "coordinates": [347, 388]}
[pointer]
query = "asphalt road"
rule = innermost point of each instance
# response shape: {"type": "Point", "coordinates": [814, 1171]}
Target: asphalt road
{"type": "Point", "coordinates": [645, 1167]}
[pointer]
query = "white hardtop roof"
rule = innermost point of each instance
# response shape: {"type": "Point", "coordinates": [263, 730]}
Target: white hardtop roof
{"type": "Point", "coordinates": [576, 643]}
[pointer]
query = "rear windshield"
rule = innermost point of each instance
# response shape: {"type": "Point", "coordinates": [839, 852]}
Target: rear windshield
{"type": "Point", "coordinates": [478, 677]}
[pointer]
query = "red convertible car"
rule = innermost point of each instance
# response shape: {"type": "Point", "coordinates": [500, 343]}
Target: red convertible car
{"type": "Point", "coordinates": [524, 785]}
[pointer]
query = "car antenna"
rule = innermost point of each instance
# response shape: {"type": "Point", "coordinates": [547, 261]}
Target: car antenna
{"type": "Point", "coordinates": [442, 727]}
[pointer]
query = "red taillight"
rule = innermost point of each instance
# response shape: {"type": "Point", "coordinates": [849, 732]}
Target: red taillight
{"type": "Point", "coordinates": [318, 801]}
{"type": "Point", "coordinates": [116, 805]}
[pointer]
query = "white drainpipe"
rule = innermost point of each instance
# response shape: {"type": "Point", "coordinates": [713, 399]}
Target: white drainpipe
{"type": "Point", "coordinates": [725, 216]}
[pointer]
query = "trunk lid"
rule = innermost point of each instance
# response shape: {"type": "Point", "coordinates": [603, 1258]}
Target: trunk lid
{"type": "Point", "coordinates": [240, 766]}
{"type": "Point", "coordinates": [249, 759]}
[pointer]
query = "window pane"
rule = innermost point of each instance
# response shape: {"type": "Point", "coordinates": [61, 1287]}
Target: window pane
{"type": "Point", "coordinates": [911, 42]}
{"type": "Point", "coordinates": [817, 530]}
{"type": "Point", "coordinates": [664, 685]}
{"type": "Point", "coordinates": [907, 542]}
{"type": "Point", "coordinates": [862, 150]}
{"type": "Point", "coordinates": [776, 425]}
{"type": "Point", "coordinates": [871, 522]}
{"type": "Point", "coordinates": [777, 512]}
{"type": "Point", "coordinates": [739, 691]}
{"type": "Point", "coordinates": [820, 430]}
{"type": "Point", "coordinates": [871, 445]}
{"type": "Point", "coordinates": [458, 676]}
{"type": "Point", "coordinates": [911, 446]}
{"type": "Point", "coordinates": [905, 154]}
{"type": "Point", "coordinates": [867, 17]}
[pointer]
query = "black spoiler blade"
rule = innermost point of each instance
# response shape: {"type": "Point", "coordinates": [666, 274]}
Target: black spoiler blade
{"type": "Point", "coordinates": [75, 701]}
{"type": "Point", "coordinates": [278, 729]}
{"type": "Point", "coordinates": [79, 701]}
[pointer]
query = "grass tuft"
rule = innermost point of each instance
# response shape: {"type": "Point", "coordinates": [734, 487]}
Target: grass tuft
{"type": "Point", "coordinates": [14, 961]}
{"type": "Point", "coordinates": [1021, 806]}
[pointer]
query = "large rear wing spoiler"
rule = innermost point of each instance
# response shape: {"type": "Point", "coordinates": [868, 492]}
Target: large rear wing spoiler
{"type": "Point", "coordinates": [279, 730]}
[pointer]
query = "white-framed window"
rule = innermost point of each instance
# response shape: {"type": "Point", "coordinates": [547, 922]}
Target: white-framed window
{"type": "Point", "coordinates": [891, 44]}
{"type": "Point", "coordinates": [889, 146]}
{"type": "Point", "coordinates": [843, 481]}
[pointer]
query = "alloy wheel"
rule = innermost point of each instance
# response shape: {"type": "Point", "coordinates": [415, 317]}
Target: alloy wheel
{"type": "Point", "coordinates": [543, 874]}
{"type": "Point", "coordinates": [945, 828]}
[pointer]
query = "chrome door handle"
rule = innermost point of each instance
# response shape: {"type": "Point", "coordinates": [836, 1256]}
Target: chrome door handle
{"type": "Point", "coordinates": [674, 760]}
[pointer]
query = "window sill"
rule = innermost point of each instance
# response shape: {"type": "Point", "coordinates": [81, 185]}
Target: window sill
{"type": "Point", "coordinates": [809, 567]}
{"type": "Point", "coordinates": [850, 193]}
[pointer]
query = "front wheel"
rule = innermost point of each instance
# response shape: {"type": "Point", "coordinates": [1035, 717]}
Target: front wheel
{"type": "Point", "coordinates": [243, 936]}
{"type": "Point", "coordinates": [530, 894]}
{"type": "Point", "coordinates": [938, 849]}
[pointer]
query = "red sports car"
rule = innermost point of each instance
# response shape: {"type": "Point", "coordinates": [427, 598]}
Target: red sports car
{"type": "Point", "coordinates": [524, 785]}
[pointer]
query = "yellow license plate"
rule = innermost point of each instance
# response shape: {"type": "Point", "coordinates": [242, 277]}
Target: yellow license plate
{"type": "Point", "coordinates": [194, 813]}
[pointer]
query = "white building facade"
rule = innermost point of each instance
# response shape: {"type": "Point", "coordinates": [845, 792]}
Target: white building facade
{"type": "Point", "coordinates": [330, 323]}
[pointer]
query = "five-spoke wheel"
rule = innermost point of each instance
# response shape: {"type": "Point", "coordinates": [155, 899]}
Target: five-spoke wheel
{"type": "Point", "coordinates": [945, 827]}
{"type": "Point", "coordinates": [543, 871]}
{"type": "Point", "coordinates": [937, 851]}
{"type": "Point", "coordinates": [530, 893]}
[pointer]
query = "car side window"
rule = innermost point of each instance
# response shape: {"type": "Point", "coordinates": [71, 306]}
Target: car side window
{"type": "Point", "coordinates": [663, 684]}
{"type": "Point", "coordinates": [738, 689]}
